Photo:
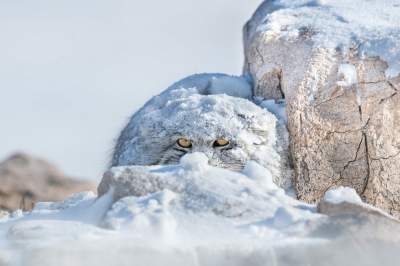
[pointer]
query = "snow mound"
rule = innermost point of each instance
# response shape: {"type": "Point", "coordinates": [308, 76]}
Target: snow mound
{"type": "Point", "coordinates": [189, 214]}
{"type": "Point", "coordinates": [372, 26]}
{"type": "Point", "coordinates": [193, 207]}
{"type": "Point", "coordinates": [211, 193]}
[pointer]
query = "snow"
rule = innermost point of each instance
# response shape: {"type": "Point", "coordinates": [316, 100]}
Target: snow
{"type": "Point", "coordinates": [201, 211]}
{"type": "Point", "coordinates": [347, 74]}
{"type": "Point", "coordinates": [278, 108]}
{"type": "Point", "coordinates": [215, 83]}
{"type": "Point", "coordinates": [233, 86]}
{"type": "Point", "coordinates": [342, 194]}
{"type": "Point", "coordinates": [195, 161]}
{"type": "Point", "coordinates": [198, 215]}
{"type": "Point", "coordinates": [260, 174]}
{"type": "Point", "coordinates": [339, 24]}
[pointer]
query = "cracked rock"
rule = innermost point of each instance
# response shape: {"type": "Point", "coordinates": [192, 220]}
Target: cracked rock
{"type": "Point", "coordinates": [342, 132]}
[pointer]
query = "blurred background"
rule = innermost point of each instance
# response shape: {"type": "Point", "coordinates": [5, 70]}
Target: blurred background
{"type": "Point", "coordinates": [73, 71]}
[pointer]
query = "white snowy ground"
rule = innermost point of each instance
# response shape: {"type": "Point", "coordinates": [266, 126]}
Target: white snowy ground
{"type": "Point", "coordinates": [199, 215]}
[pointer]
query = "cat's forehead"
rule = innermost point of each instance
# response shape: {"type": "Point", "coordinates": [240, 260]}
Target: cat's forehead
{"type": "Point", "coordinates": [202, 117]}
{"type": "Point", "coordinates": [221, 103]}
{"type": "Point", "coordinates": [214, 119]}
{"type": "Point", "coordinates": [213, 109]}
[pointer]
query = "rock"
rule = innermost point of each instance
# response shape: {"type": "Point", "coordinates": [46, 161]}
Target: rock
{"type": "Point", "coordinates": [359, 235]}
{"type": "Point", "coordinates": [348, 208]}
{"type": "Point", "coordinates": [361, 222]}
{"type": "Point", "coordinates": [343, 108]}
{"type": "Point", "coordinates": [195, 187]}
{"type": "Point", "coordinates": [129, 181]}
{"type": "Point", "coordinates": [25, 180]}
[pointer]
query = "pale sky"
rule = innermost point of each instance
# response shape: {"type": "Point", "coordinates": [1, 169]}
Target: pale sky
{"type": "Point", "coordinates": [73, 71]}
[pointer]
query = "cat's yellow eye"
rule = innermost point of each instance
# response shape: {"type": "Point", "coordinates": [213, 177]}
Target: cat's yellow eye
{"type": "Point", "coordinates": [221, 143]}
{"type": "Point", "coordinates": [184, 143]}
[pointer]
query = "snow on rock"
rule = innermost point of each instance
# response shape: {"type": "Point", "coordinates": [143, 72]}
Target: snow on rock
{"type": "Point", "coordinates": [202, 188]}
{"type": "Point", "coordinates": [345, 201]}
{"type": "Point", "coordinates": [335, 64]}
{"type": "Point", "coordinates": [341, 194]}
{"type": "Point", "coordinates": [371, 25]}
{"type": "Point", "coordinates": [347, 75]}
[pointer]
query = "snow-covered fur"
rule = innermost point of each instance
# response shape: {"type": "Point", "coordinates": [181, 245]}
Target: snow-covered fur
{"type": "Point", "coordinates": [202, 108]}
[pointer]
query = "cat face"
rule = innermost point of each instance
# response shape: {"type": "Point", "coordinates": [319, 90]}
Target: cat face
{"type": "Point", "coordinates": [221, 152]}
{"type": "Point", "coordinates": [230, 131]}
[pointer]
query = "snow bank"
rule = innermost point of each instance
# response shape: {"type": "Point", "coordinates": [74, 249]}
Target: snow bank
{"type": "Point", "coordinates": [373, 26]}
{"type": "Point", "coordinates": [194, 214]}
{"type": "Point", "coordinates": [197, 209]}
{"type": "Point", "coordinates": [209, 193]}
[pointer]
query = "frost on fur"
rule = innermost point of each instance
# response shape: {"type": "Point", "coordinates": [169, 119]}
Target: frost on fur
{"type": "Point", "coordinates": [203, 108]}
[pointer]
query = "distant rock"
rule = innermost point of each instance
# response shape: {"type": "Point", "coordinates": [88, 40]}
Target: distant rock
{"type": "Point", "coordinates": [3, 214]}
{"type": "Point", "coordinates": [25, 180]}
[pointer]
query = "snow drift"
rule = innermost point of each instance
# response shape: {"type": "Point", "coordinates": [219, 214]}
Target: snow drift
{"type": "Point", "coordinates": [192, 214]}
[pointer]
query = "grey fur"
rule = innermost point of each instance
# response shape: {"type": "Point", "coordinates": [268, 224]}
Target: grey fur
{"type": "Point", "coordinates": [186, 110]}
